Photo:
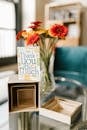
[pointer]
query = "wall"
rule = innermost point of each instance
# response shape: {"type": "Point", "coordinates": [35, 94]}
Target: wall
{"type": "Point", "coordinates": [28, 12]}
{"type": "Point", "coordinates": [40, 9]}
{"type": "Point", "coordinates": [34, 9]}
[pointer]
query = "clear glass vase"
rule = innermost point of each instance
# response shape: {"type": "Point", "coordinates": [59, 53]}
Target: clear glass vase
{"type": "Point", "coordinates": [47, 83]}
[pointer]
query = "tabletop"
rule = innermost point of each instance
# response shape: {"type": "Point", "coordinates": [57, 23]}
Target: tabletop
{"type": "Point", "coordinates": [34, 121]}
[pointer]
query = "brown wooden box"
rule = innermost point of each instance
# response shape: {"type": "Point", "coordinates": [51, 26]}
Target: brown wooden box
{"type": "Point", "coordinates": [26, 97]}
{"type": "Point", "coordinates": [23, 95]}
{"type": "Point", "coordinates": [61, 109]}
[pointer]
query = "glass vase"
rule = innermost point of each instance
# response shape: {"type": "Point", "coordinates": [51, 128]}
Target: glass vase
{"type": "Point", "coordinates": [47, 83]}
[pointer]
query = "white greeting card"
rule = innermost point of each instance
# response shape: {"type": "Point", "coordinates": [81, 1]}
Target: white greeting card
{"type": "Point", "coordinates": [28, 63]}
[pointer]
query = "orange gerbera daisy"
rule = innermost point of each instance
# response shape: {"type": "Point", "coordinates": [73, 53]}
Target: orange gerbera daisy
{"type": "Point", "coordinates": [33, 26]}
{"type": "Point", "coordinates": [36, 22]}
{"type": "Point", "coordinates": [59, 31]}
{"type": "Point", "coordinates": [33, 38]}
{"type": "Point", "coordinates": [19, 35]}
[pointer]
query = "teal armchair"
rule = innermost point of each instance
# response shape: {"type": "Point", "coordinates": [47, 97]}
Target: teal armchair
{"type": "Point", "coordinates": [71, 62]}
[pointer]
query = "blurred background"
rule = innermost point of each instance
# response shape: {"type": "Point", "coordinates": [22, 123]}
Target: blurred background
{"type": "Point", "coordinates": [17, 14]}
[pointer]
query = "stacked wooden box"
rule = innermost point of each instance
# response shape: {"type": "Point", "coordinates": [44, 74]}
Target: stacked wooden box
{"type": "Point", "coordinates": [23, 94]}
